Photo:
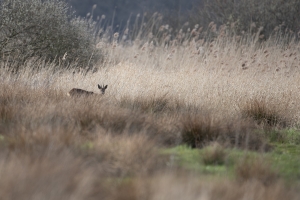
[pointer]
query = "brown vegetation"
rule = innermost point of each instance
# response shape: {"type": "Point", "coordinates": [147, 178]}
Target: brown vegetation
{"type": "Point", "coordinates": [57, 147]}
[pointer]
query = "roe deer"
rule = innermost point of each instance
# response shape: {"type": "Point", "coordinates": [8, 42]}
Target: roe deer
{"type": "Point", "coordinates": [75, 92]}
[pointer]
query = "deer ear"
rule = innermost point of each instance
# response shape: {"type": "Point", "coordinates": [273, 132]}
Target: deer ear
{"type": "Point", "coordinates": [105, 87]}
{"type": "Point", "coordinates": [99, 86]}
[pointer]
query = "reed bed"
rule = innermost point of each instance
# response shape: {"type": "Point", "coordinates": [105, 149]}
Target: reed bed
{"type": "Point", "coordinates": [158, 96]}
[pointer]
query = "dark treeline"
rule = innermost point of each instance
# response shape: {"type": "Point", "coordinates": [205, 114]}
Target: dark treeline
{"type": "Point", "coordinates": [264, 16]}
{"type": "Point", "coordinates": [118, 12]}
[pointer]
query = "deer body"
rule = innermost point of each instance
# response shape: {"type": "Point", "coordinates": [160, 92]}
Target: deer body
{"type": "Point", "coordinates": [76, 92]}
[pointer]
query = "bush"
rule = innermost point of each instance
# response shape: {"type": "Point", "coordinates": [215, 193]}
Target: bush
{"type": "Point", "coordinates": [44, 29]}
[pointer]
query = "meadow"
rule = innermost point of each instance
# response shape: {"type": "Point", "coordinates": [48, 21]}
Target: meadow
{"type": "Point", "coordinates": [190, 119]}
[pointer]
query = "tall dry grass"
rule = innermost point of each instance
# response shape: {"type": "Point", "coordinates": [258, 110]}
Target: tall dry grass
{"type": "Point", "coordinates": [107, 147]}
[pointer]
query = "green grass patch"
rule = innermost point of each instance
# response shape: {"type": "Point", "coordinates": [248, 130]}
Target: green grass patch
{"type": "Point", "coordinates": [192, 159]}
{"type": "Point", "coordinates": [284, 159]}
{"type": "Point", "coordinates": [286, 136]}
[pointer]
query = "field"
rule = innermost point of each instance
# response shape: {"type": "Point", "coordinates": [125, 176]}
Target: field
{"type": "Point", "coordinates": [193, 120]}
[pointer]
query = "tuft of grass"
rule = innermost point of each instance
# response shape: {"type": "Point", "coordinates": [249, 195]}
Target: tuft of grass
{"type": "Point", "coordinates": [214, 154]}
{"type": "Point", "coordinates": [199, 129]}
{"type": "Point", "coordinates": [125, 155]}
{"type": "Point", "coordinates": [51, 176]}
{"type": "Point", "coordinates": [264, 113]}
{"type": "Point", "coordinates": [255, 168]}
{"type": "Point", "coordinates": [6, 114]}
